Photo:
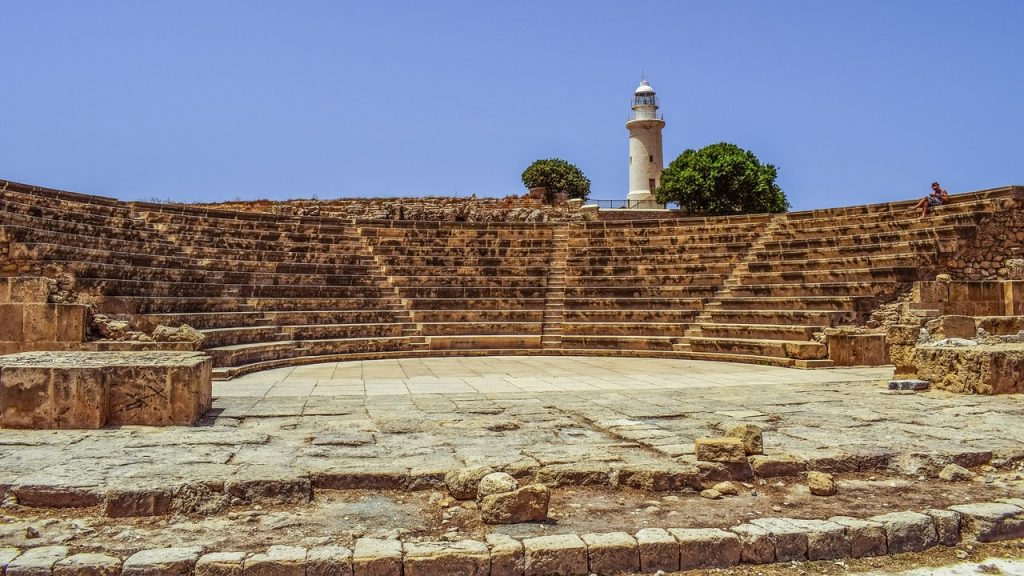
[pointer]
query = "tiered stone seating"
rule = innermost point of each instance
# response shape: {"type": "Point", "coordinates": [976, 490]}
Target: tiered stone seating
{"type": "Point", "coordinates": [271, 290]}
{"type": "Point", "coordinates": [826, 268]}
{"type": "Point", "coordinates": [469, 286]}
{"type": "Point", "coordinates": [638, 285]}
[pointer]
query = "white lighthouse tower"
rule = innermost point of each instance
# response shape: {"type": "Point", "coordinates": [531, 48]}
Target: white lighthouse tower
{"type": "Point", "coordinates": [645, 161]}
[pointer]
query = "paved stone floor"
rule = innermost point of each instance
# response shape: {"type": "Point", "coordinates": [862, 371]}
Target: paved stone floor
{"type": "Point", "coordinates": [417, 419]}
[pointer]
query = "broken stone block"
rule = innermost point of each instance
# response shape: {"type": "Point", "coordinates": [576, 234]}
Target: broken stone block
{"type": "Point", "coordinates": [277, 561]}
{"type": "Point", "coordinates": [707, 548]}
{"type": "Point", "coordinates": [727, 488]}
{"type": "Point", "coordinates": [757, 546]}
{"type": "Point", "coordinates": [775, 465]}
{"type": "Point", "coordinates": [220, 564]}
{"type": "Point", "coordinates": [462, 558]}
{"type": "Point", "coordinates": [328, 561]}
{"type": "Point", "coordinates": [951, 327]}
{"type": "Point", "coordinates": [947, 525]}
{"type": "Point", "coordinates": [88, 565]}
{"type": "Point", "coordinates": [162, 562]}
{"type": "Point", "coordinates": [866, 538]}
{"type": "Point", "coordinates": [612, 552]}
{"type": "Point", "coordinates": [907, 531]}
{"type": "Point", "coordinates": [462, 483]}
{"type": "Point", "coordinates": [129, 502]}
{"type": "Point", "coordinates": [496, 483]}
{"type": "Point", "coordinates": [575, 474]}
{"type": "Point", "coordinates": [659, 550]}
{"type": "Point", "coordinates": [376, 557]}
{"type": "Point", "coordinates": [36, 561]}
{"type": "Point", "coordinates": [911, 384]}
{"type": "Point", "coordinates": [527, 504]}
{"type": "Point", "coordinates": [710, 494]}
{"type": "Point", "coordinates": [751, 436]}
{"type": "Point", "coordinates": [955, 473]}
{"type": "Point", "coordinates": [507, 556]}
{"type": "Point", "coordinates": [974, 369]}
{"type": "Point", "coordinates": [564, 554]}
{"type": "Point", "coordinates": [821, 484]}
{"type": "Point", "coordinates": [720, 450]}
{"type": "Point", "coordinates": [991, 521]}
{"type": "Point", "coordinates": [790, 541]}
{"type": "Point", "coordinates": [254, 484]}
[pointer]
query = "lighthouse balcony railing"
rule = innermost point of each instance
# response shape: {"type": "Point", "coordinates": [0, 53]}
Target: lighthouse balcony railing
{"type": "Point", "coordinates": [632, 117]}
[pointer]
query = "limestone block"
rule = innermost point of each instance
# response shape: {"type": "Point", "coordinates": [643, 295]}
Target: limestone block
{"type": "Point", "coordinates": [36, 561]}
{"type": "Point", "coordinates": [907, 531]}
{"type": "Point", "coordinates": [866, 538]}
{"type": "Point", "coordinates": [220, 564]}
{"type": "Point", "coordinates": [507, 555]}
{"type": "Point", "coordinates": [947, 525]}
{"type": "Point", "coordinates": [902, 357]}
{"type": "Point", "coordinates": [462, 558]}
{"type": "Point", "coordinates": [775, 465]}
{"type": "Point", "coordinates": [575, 474]}
{"type": "Point", "coordinates": [71, 322]}
{"type": "Point", "coordinates": [952, 327]}
{"type": "Point", "coordinates": [11, 323]}
{"type": "Point", "coordinates": [462, 483]}
{"type": "Point", "coordinates": [39, 323]}
{"type": "Point", "coordinates": [39, 397]}
{"type": "Point", "coordinates": [720, 450]}
{"type": "Point", "coordinates": [527, 504]}
{"type": "Point", "coordinates": [973, 369]}
{"type": "Point", "coordinates": [707, 548]}
{"type": "Point", "coordinates": [162, 562]}
{"type": "Point", "coordinates": [564, 555]}
{"type": "Point", "coordinates": [328, 561]}
{"type": "Point", "coordinates": [658, 550]}
{"type": "Point", "coordinates": [496, 483]}
{"type": "Point", "coordinates": [825, 540]}
{"type": "Point", "coordinates": [277, 561]}
{"type": "Point", "coordinates": [375, 557]}
{"type": "Point", "coordinates": [790, 542]}
{"type": "Point", "coordinates": [991, 521]}
{"type": "Point", "coordinates": [660, 478]}
{"type": "Point", "coordinates": [612, 552]}
{"type": "Point", "coordinates": [254, 484]}
{"type": "Point", "coordinates": [121, 502]}
{"type": "Point", "coordinates": [930, 292]}
{"type": "Point", "coordinates": [88, 565]}
{"type": "Point", "coordinates": [858, 349]}
{"type": "Point", "coordinates": [28, 289]}
{"type": "Point", "coordinates": [902, 334]}
{"type": "Point", "coordinates": [751, 435]}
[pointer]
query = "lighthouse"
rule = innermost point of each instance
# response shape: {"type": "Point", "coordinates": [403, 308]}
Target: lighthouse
{"type": "Point", "coordinates": [645, 160]}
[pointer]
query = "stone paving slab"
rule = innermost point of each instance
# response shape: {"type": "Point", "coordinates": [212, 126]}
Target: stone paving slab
{"type": "Point", "coordinates": [282, 448]}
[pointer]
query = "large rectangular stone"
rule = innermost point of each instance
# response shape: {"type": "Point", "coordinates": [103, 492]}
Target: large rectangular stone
{"type": "Point", "coordinates": [825, 540]}
{"type": "Point", "coordinates": [377, 557]}
{"type": "Point", "coordinates": [707, 548]}
{"type": "Point", "coordinates": [565, 555]}
{"type": "Point", "coordinates": [93, 389]}
{"type": "Point", "coordinates": [612, 552]}
{"type": "Point", "coordinates": [462, 558]}
{"type": "Point", "coordinates": [866, 538]}
{"type": "Point", "coordinates": [220, 564]}
{"type": "Point", "coordinates": [87, 565]}
{"type": "Point", "coordinates": [507, 555]}
{"type": "Point", "coordinates": [329, 561]}
{"type": "Point", "coordinates": [991, 521]}
{"type": "Point", "coordinates": [36, 561]}
{"type": "Point", "coordinates": [907, 531]}
{"type": "Point", "coordinates": [277, 561]}
{"type": "Point", "coordinates": [162, 562]}
{"type": "Point", "coordinates": [756, 544]}
{"type": "Point", "coordinates": [790, 541]}
{"type": "Point", "coordinates": [658, 550]}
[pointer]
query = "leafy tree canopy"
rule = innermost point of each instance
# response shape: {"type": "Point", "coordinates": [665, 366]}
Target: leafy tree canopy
{"type": "Point", "coordinates": [721, 179]}
{"type": "Point", "coordinates": [557, 175]}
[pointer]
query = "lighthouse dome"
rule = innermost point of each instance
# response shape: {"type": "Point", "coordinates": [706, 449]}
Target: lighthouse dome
{"type": "Point", "coordinates": [644, 88]}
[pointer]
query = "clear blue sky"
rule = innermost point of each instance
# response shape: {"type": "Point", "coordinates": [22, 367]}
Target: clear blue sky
{"type": "Point", "coordinates": [857, 101]}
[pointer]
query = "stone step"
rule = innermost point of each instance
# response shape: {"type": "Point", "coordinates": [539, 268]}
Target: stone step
{"type": "Point", "coordinates": [644, 303]}
{"type": "Point", "coordinates": [639, 293]}
{"type": "Point", "coordinates": [241, 354]}
{"type": "Point", "coordinates": [760, 347]}
{"type": "Point", "coordinates": [886, 260]}
{"type": "Point", "coordinates": [888, 274]}
{"type": "Point", "coordinates": [484, 341]}
{"type": "Point", "coordinates": [783, 317]}
{"type": "Point", "coordinates": [840, 303]}
{"type": "Point", "coordinates": [874, 288]}
{"type": "Point", "coordinates": [219, 337]}
{"type": "Point", "coordinates": [624, 328]}
{"type": "Point", "coordinates": [479, 328]}
{"type": "Point", "coordinates": [757, 331]}
{"type": "Point", "coordinates": [619, 342]}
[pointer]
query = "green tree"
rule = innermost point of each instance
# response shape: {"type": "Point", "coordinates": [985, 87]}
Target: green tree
{"type": "Point", "coordinates": [721, 179]}
{"type": "Point", "coordinates": [557, 175]}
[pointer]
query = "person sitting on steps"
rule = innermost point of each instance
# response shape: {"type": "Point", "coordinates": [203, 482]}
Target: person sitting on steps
{"type": "Point", "coordinates": [938, 197]}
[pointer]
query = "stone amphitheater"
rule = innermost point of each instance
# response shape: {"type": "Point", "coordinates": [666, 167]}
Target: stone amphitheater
{"type": "Point", "coordinates": [485, 386]}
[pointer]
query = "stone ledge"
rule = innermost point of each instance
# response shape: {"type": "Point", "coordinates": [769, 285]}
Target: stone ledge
{"type": "Point", "coordinates": [44, 390]}
{"type": "Point", "coordinates": [763, 541]}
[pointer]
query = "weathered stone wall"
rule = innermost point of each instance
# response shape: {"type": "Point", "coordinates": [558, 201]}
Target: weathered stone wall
{"type": "Point", "coordinates": [511, 209]}
{"type": "Point", "coordinates": [1000, 237]}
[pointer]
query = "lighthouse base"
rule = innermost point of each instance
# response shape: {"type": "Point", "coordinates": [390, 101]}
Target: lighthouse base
{"type": "Point", "coordinates": [642, 200]}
